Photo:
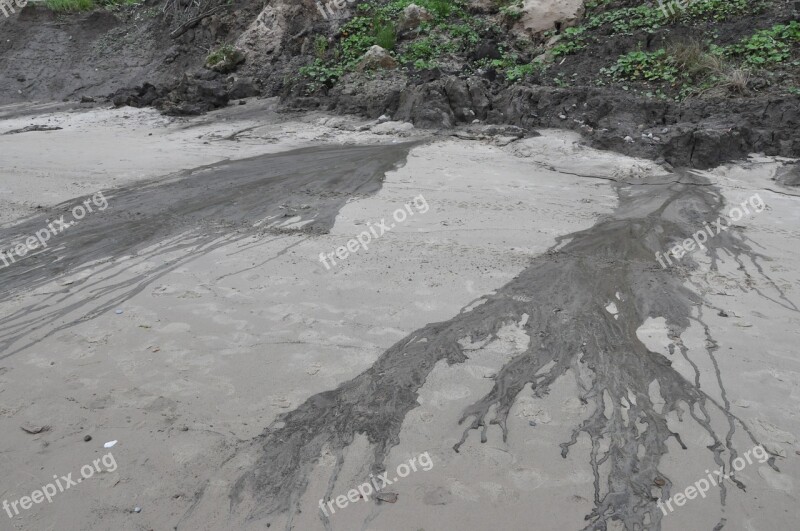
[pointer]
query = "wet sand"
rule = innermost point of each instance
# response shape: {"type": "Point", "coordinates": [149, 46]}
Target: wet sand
{"type": "Point", "coordinates": [521, 331]}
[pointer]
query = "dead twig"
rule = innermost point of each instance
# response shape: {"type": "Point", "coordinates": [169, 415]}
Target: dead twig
{"type": "Point", "coordinates": [189, 24]}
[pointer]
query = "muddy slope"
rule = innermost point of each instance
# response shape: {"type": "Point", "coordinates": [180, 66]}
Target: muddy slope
{"type": "Point", "coordinates": [561, 301]}
{"type": "Point", "coordinates": [136, 51]}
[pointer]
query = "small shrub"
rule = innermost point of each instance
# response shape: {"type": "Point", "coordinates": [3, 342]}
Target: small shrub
{"type": "Point", "coordinates": [694, 61]}
{"type": "Point", "coordinates": [320, 46]}
{"type": "Point", "coordinates": [440, 8]}
{"type": "Point", "coordinates": [221, 54]}
{"type": "Point", "coordinates": [736, 80]}
{"type": "Point", "coordinates": [385, 36]}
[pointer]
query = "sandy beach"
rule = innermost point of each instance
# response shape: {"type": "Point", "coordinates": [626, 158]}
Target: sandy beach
{"type": "Point", "coordinates": [519, 332]}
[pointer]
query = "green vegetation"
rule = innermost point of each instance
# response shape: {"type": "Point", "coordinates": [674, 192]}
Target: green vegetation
{"type": "Point", "coordinates": [320, 46]}
{"type": "Point", "coordinates": [769, 46]}
{"type": "Point", "coordinates": [512, 69]}
{"type": "Point", "coordinates": [644, 66]}
{"type": "Point", "coordinates": [385, 36]}
{"type": "Point", "coordinates": [571, 42]}
{"type": "Point", "coordinates": [686, 66]}
{"type": "Point", "coordinates": [627, 20]}
{"type": "Point", "coordinates": [512, 10]}
{"type": "Point", "coordinates": [451, 30]}
{"type": "Point", "coordinates": [719, 10]}
{"type": "Point", "coordinates": [223, 53]}
{"type": "Point", "coordinates": [59, 6]}
{"type": "Point", "coordinates": [67, 6]}
{"type": "Point", "coordinates": [691, 68]}
{"type": "Point", "coordinates": [321, 74]}
{"type": "Point", "coordinates": [441, 9]}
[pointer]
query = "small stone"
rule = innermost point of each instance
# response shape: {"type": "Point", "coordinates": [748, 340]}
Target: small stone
{"type": "Point", "coordinates": [722, 313]}
{"type": "Point", "coordinates": [628, 139]}
{"type": "Point", "coordinates": [376, 57]}
{"type": "Point", "coordinates": [388, 497]}
{"type": "Point", "coordinates": [562, 116]}
{"type": "Point", "coordinates": [137, 510]}
{"type": "Point", "coordinates": [659, 482]}
{"type": "Point", "coordinates": [87, 438]}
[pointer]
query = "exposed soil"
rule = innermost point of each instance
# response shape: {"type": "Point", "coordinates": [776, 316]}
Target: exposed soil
{"type": "Point", "coordinates": [129, 57]}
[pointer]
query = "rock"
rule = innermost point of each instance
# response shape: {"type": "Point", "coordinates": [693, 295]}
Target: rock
{"type": "Point", "coordinates": [142, 96]}
{"type": "Point", "coordinates": [479, 93]}
{"type": "Point", "coordinates": [34, 430]}
{"type": "Point", "coordinates": [412, 16]}
{"type": "Point", "coordinates": [87, 99]}
{"type": "Point", "coordinates": [376, 57]}
{"type": "Point", "coordinates": [388, 497]}
{"type": "Point", "coordinates": [541, 15]}
{"type": "Point", "coordinates": [384, 118]}
{"type": "Point", "coordinates": [242, 87]}
{"type": "Point", "coordinates": [195, 96]}
{"type": "Point", "coordinates": [31, 128]}
{"type": "Point", "coordinates": [459, 98]}
{"type": "Point", "coordinates": [392, 128]}
{"type": "Point", "coordinates": [485, 50]}
{"type": "Point", "coordinates": [87, 438]}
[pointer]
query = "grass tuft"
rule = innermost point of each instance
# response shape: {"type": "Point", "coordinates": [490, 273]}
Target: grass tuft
{"type": "Point", "coordinates": [62, 6]}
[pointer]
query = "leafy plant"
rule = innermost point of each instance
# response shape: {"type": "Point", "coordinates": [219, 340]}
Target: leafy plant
{"type": "Point", "coordinates": [769, 46]}
{"type": "Point", "coordinates": [571, 42]}
{"type": "Point", "coordinates": [645, 66]}
{"type": "Point", "coordinates": [321, 74]}
{"type": "Point", "coordinates": [719, 10]}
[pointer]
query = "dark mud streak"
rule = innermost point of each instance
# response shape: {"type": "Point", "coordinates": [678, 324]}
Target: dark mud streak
{"type": "Point", "coordinates": [183, 216]}
{"type": "Point", "coordinates": [566, 291]}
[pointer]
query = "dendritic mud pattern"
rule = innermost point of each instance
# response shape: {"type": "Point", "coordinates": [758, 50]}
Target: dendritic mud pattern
{"type": "Point", "coordinates": [562, 301]}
